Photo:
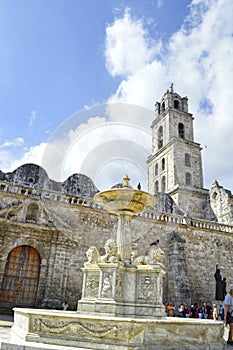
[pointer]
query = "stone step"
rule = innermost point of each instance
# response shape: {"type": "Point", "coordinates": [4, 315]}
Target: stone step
{"type": "Point", "coordinates": [15, 345]}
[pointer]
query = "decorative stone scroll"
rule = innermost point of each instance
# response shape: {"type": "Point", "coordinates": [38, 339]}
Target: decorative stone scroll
{"type": "Point", "coordinates": [59, 327]}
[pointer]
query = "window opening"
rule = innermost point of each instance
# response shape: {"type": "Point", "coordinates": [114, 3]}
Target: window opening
{"type": "Point", "coordinates": [176, 104]}
{"type": "Point", "coordinates": [163, 106]}
{"type": "Point", "coordinates": [32, 211]}
{"type": "Point", "coordinates": [181, 130]}
{"type": "Point", "coordinates": [160, 137]}
{"type": "Point", "coordinates": [163, 164]}
{"type": "Point", "coordinates": [188, 179]}
{"type": "Point", "coordinates": [187, 159]}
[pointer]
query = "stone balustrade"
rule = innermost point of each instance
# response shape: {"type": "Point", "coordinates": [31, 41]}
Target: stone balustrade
{"type": "Point", "coordinates": [88, 202]}
{"type": "Point", "coordinates": [47, 194]}
{"type": "Point", "coordinates": [183, 220]}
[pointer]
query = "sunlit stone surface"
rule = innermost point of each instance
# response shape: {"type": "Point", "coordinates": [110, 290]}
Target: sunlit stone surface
{"type": "Point", "coordinates": [121, 305]}
{"type": "Point", "coordinates": [38, 329]}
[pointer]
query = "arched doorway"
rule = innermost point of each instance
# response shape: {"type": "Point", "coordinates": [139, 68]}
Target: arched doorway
{"type": "Point", "coordinates": [21, 276]}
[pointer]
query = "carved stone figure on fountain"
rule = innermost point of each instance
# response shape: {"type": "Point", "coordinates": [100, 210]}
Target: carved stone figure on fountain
{"type": "Point", "coordinates": [107, 287]}
{"type": "Point", "coordinates": [111, 252]}
{"type": "Point", "coordinates": [155, 256]}
{"type": "Point", "coordinates": [93, 256]}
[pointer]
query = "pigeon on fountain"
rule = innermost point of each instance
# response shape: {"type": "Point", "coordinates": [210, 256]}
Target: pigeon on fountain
{"type": "Point", "coordinates": [155, 242]}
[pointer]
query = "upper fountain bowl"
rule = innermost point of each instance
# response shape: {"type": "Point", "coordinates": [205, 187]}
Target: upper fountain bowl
{"type": "Point", "coordinates": [125, 200]}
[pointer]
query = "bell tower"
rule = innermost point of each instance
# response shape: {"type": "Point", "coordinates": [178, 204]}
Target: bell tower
{"type": "Point", "coordinates": [175, 166]}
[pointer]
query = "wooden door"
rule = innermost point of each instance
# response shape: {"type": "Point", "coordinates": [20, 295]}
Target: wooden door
{"type": "Point", "coordinates": [21, 277]}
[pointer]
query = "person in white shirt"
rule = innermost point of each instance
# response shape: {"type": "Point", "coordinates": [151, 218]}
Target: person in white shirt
{"type": "Point", "coordinates": [65, 305]}
{"type": "Point", "coordinates": [228, 313]}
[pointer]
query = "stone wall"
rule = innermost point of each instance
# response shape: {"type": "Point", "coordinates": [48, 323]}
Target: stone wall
{"type": "Point", "coordinates": [65, 226]}
{"type": "Point", "coordinates": [222, 203]}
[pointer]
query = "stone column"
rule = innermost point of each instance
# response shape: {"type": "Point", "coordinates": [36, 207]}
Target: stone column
{"type": "Point", "coordinates": [178, 282]}
{"type": "Point", "coordinates": [123, 238]}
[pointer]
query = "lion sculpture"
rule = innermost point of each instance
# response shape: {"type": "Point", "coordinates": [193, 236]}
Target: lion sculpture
{"type": "Point", "coordinates": [155, 256]}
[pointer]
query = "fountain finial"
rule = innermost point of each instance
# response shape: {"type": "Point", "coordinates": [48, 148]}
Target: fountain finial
{"type": "Point", "coordinates": [126, 180]}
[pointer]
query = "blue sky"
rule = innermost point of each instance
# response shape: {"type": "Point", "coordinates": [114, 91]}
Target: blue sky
{"type": "Point", "coordinates": [60, 57]}
{"type": "Point", "coordinates": [52, 57]}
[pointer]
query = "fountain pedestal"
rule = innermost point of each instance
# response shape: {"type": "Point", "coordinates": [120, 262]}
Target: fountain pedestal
{"type": "Point", "coordinates": [113, 289]}
{"type": "Point", "coordinates": [125, 288]}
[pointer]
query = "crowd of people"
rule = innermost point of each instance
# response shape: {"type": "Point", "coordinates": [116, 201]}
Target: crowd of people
{"type": "Point", "coordinates": [221, 312]}
{"type": "Point", "coordinates": [203, 311]}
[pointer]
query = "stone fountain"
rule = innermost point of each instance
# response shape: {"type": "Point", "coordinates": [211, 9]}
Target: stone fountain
{"type": "Point", "coordinates": [118, 283]}
{"type": "Point", "coordinates": [121, 306]}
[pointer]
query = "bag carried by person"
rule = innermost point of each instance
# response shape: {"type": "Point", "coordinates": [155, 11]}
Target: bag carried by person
{"type": "Point", "coordinates": [226, 332]}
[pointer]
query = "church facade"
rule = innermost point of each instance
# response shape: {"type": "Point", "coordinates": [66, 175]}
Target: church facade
{"type": "Point", "coordinates": [47, 226]}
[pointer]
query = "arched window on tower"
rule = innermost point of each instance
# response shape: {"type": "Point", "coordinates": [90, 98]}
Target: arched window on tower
{"type": "Point", "coordinates": [163, 164]}
{"type": "Point", "coordinates": [160, 137]}
{"type": "Point", "coordinates": [187, 159]}
{"type": "Point", "coordinates": [156, 169]}
{"type": "Point", "coordinates": [163, 106]}
{"type": "Point", "coordinates": [176, 104]}
{"type": "Point", "coordinates": [181, 130]}
{"type": "Point", "coordinates": [163, 185]}
{"type": "Point", "coordinates": [188, 179]}
{"type": "Point", "coordinates": [156, 186]}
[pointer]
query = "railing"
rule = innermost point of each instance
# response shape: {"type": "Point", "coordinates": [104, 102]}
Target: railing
{"type": "Point", "coordinates": [48, 195]}
{"type": "Point", "coordinates": [88, 202]}
{"type": "Point", "coordinates": [182, 220]}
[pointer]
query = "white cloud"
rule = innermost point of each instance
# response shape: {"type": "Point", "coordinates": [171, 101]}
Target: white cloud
{"type": "Point", "coordinates": [33, 155]}
{"type": "Point", "coordinates": [17, 142]}
{"type": "Point", "coordinates": [160, 3]}
{"type": "Point", "coordinates": [9, 161]}
{"type": "Point", "coordinates": [6, 159]}
{"type": "Point", "coordinates": [128, 46]}
{"type": "Point", "coordinates": [113, 134]}
{"type": "Point", "coordinates": [199, 61]}
{"type": "Point", "coordinates": [32, 118]}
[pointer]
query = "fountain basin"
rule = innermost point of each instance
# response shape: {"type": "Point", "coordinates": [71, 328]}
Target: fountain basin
{"type": "Point", "coordinates": [125, 201]}
{"type": "Point", "coordinates": [50, 329]}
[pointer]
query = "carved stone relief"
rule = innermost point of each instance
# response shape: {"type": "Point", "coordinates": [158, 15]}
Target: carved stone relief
{"type": "Point", "coordinates": [92, 286]}
{"type": "Point", "coordinates": [107, 288]}
{"type": "Point", "coordinates": [146, 288]}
